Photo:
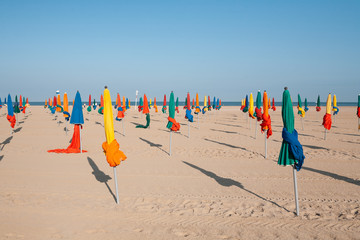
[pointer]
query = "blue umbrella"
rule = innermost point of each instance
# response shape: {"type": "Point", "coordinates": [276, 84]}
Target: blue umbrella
{"type": "Point", "coordinates": [10, 106]}
{"type": "Point", "coordinates": [77, 114]}
{"type": "Point", "coordinates": [0, 103]}
{"type": "Point", "coordinates": [127, 103]}
{"type": "Point", "coordinates": [214, 102]}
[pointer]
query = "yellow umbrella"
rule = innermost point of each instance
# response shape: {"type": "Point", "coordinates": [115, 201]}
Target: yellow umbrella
{"type": "Point", "coordinates": [328, 104]}
{"type": "Point", "coordinates": [124, 104]}
{"type": "Point", "coordinates": [251, 106]}
{"type": "Point", "coordinates": [197, 109]}
{"type": "Point", "coordinates": [111, 147]}
{"type": "Point", "coordinates": [205, 104]}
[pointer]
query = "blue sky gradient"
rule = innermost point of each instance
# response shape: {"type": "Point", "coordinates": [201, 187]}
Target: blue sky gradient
{"type": "Point", "coordinates": [222, 48]}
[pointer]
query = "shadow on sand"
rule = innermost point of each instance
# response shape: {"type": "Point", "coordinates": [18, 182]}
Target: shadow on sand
{"type": "Point", "coordinates": [100, 176]}
{"type": "Point", "coordinates": [228, 182]}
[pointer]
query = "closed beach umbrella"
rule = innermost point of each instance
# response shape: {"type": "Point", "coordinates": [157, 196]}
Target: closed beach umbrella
{"type": "Point", "coordinates": [291, 152]}
{"type": "Point", "coordinates": [301, 111]}
{"type": "Point", "coordinates": [205, 108]}
{"type": "Point", "coordinates": [335, 108]}
{"type": "Point", "coordinates": [327, 117]}
{"type": "Point", "coordinates": [318, 108]}
{"type": "Point", "coordinates": [164, 105]}
{"type": "Point", "coordinates": [188, 114]}
{"type": "Point", "coordinates": [10, 115]}
{"type": "Point", "coordinates": [101, 108]}
{"type": "Point", "coordinates": [246, 108]}
{"type": "Point", "coordinates": [266, 121]}
{"type": "Point", "coordinates": [251, 106]}
{"type": "Point", "coordinates": [177, 105]}
{"type": "Point", "coordinates": [273, 105]}
{"type": "Point", "coordinates": [89, 107]}
{"type": "Point", "coordinates": [77, 119]}
{"type": "Point", "coordinates": [172, 124]}
{"type": "Point", "coordinates": [306, 106]}
{"type": "Point", "coordinates": [16, 106]}
{"type": "Point", "coordinates": [58, 105]}
{"type": "Point", "coordinates": [111, 147]}
{"type": "Point", "coordinates": [197, 109]}
{"type": "Point", "coordinates": [258, 113]}
{"type": "Point", "coordinates": [209, 104]}
{"type": "Point", "coordinates": [155, 106]}
{"type": "Point", "coordinates": [214, 103]}
{"type": "Point", "coordinates": [146, 111]}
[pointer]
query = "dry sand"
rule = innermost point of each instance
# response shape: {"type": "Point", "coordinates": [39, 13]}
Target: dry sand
{"type": "Point", "coordinates": [216, 185]}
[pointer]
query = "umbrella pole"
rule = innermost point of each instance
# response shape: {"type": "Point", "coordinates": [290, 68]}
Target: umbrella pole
{"type": "Point", "coordinates": [255, 128]}
{"type": "Point", "coordinates": [325, 134]}
{"type": "Point", "coordinates": [198, 120]}
{"type": "Point", "coordinates": [296, 191]}
{"type": "Point", "coordinates": [65, 127]}
{"type": "Point", "coordinates": [334, 119]}
{"type": "Point", "coordinates": [250, 123]}
{"type": "Point", "coordinates": [188, 129]}
{"type": "Point", "coordinates": [80, 140]}
{"type": "Point", "coordinates": [302, 123]}
{"type": "Point", "coordinates": [116, 186]}
{"type": "Point", "coordinates": [358, 124]}
{"type": "Point", "coordinates": [123, 127]}
{"type": "Point", "coordinates": [265, 144]}
{"type": "Point", "coordinates": [170, 144]}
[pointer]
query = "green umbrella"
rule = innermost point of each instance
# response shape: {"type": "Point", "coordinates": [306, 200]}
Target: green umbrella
{"type": "Point", "coordinates": [171, 110]}
{"type": "Point", "coordinates": [177, 103]}
{"type": "Point", "coordinates": [306, 105]}
{"type": "Point", "coordinates": [299, 104]}
{"type": "Point", "coordinates": [16, 107]}
{"type": "Point", "coordinates": [318, 101]}
{"type": "Point", "coordinates": [285, 158]}
{"type": "Point", "coordinates": [258, 100]}
{"type": "Point", "coordinates": [291, 152]}
{"type": "Point", "coordinates": [172, 125]}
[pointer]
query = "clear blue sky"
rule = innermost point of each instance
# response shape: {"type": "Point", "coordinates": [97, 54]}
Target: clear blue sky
{"type": "Point", "coordinates": [222, 48]}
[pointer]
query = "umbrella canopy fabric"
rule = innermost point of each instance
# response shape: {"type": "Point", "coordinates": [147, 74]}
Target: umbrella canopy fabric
{"type": "Point", "coordinates": [10, 115]}
{"type": "Point", "coordinates": [77, 113]}
{"type": "Point", "coordinates": [358, 108]}
{"type": "Point", "coordinates": [251, 106]}
{"type": "Point", "coordinates": [164, 105]}
{"type": "Point", "coordinates": [214, 103]}
{"type": "Point", "coordinates": [273, 105]}
{"type": "Point", "coordinates": [301, 111]}
{"type": "Point", "coordinates": [146, 106]}
{"type": "Point", "coordinates": [327, 117]}
{"type": "Point", "coordinates": [155, 106]}
{"type": "Point", "coordinates": [266, 120]}
{"type": "Point", "coordinates": [188, 114]}
{"type": "Point", "coordinates": [335, 108]}
{"type": "Point", "coordinates": [111, 147]}
{"type": "Point", "coordinates": [209, 104]}
{"type": "Point", "coordinates": [205, 108]}
{"type": "Point", "coordinates": [258, 113]}
{"type": "Point", "coordinates": [246, 108]}
{"type": "Point", "coordinates": [318, 108]}
{"type": "Point", "coordinates": [89, 107]}
{"type": "Point", "coordinates": [172, 124]}
{"type": "Point", "coordinates": [127, 103]}
{"type": "Point", "coordinates": [291, 151]}
{"type": "Point", "coordinates": [197, 106]}
{"type": "Point", "coordinates": [177, 105]}
{"type": "Point", "coordinates": [306, 105]}
{"type": "Point", "coordinates": [66, 108]}
{"type": "Point", "coordinates": [16, 106]}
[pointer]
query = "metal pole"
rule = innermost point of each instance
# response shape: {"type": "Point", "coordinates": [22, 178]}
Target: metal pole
{"type": "Point", "coordinates": [188, 129]}
{"type": "Point", "coordinates": [358, 124]}
{"type": "Point", "coordinates": [116, 186]}
{"type": "Point", "coordinates": [266, 143]}
{"type": "Point", "coordinates": [302, 123]}
{"type": "Point", "coordinates": [198, 120]}
{"type": "Point", "coordinates": [170, 143]}
{"type": "Point", "coordinates": [325, 134]}
{"type": "Point", "coordinates": [296, 191]}
{"type": "Point", "coordinates": [255, 128]}
{"type": "Point", "coordinates": [123, 127]}
{"type": "Point", "coordinates": [65, 127]}
{"type": "Point", "coordinates": [250, 123]}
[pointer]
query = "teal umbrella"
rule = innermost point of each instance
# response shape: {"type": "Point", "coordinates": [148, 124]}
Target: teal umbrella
{"type": "Point", "coordinates": [291, 152]}
{"type": "Point", "coordinates": [16, 107]}
{"type": "Point", "coordinates": [306, 105]}
{"type": "Point", "coordinates": [172, 125]}
{"type": "Point", "coordinates": [318, 108]}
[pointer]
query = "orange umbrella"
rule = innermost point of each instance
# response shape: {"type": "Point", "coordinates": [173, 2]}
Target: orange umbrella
{"type": "Point", "coordinates": [145, 105]}
{"type": "Point", "coordinates": [124, 104]}
{"type": "Point", "coordinates": [266, 121]}
{"type": "Point", "coordinates": [155, 106]}
{"type": "Point", "coordinates": [58, 109]}
{"type": "Point", "coordinates": [118, 101]}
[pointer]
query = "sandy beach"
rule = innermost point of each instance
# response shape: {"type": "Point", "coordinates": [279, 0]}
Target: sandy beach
{"type": "Point", "coordinates": [216, 185]}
